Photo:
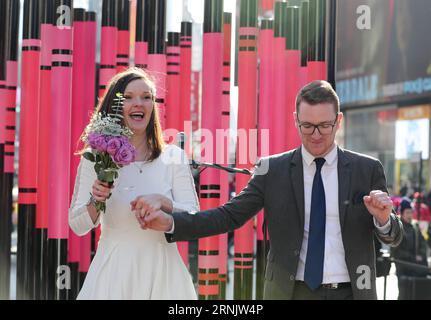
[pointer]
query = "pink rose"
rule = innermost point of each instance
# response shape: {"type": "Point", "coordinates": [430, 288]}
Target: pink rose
{"type": "Point", "coordinates": [114, 144]}
{"type": "Point", "coordinates": [125, 155]}
{"type": "Point", "coordinates": [97, 141]}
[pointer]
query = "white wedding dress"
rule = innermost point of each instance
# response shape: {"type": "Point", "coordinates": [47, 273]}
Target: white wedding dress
{"type": "Point", "coordinates": [131, 263]}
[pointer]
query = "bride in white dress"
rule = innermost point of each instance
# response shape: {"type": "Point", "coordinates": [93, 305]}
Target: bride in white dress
{"type": "Point", "coordinates": [131, 263]}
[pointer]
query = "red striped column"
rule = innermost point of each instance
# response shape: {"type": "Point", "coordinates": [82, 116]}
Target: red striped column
{"type": "Point", "coordinates": [317, 67]}
{"type": "Point", "coordinates": [225, 125]}
{"type": "Point", "coordinates": [173, 84]}
{"type": "Point", "coordinates": [266, 103]}
{"type": "Point", "coordinates": [266, 8]}
{"type": "Point", "coordinates": [183, 246]}
{"type": "Point", "coordinates": [184, 116]}
{"type": "Point", "coordinates": [79, 120]}
{"type": "Point", "coordinates": [41, 244]}
{"type": "Point", "coordinates": [293, 75]}
{"type": "Point", "coordinates": [194, 112]}
{"type": "Point", "coordinates": [108, 45]}
{"type": "Point", "coordinates": [208, 258]}
{"type": "Point", "coordinates": [59, 169]}
{"type": "Point", "coordinates": [186, 82]}
{"type": "Point", "coordinates": [123, 37]}
{"type": "Point", "coordinates": [108, 61]}
{"type": "Point", "coordinates": [247, 121]}
{"type": "Point", "coordinates": [142, 29]}
{"type": "Point", "coordinates": [89, 104]}
{"type": "Point", "coordinates": [157, 53]}
{"type": "Point", "coordinates": [28, 150]}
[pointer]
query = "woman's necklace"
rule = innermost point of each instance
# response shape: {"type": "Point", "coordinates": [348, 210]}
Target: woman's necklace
{"type": "Point", "coordinates": [141, 166]}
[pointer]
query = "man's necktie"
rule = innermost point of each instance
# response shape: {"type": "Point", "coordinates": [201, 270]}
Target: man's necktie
{"type": "Point", "coordinates": [313, 275]}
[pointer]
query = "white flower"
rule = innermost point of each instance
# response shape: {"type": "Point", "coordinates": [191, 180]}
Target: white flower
{"type": "Point", "coordinates": [109, 124]}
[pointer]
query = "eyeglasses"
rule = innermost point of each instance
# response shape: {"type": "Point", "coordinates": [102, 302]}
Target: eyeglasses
{"type": "Point", "coordinates": [323, 128]}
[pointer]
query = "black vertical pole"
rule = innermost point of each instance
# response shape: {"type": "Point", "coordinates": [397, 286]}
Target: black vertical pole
{"type": "Point", "coordinates": [303, 38]}
{"type": "Point", "coordinates": [321, 30]}
{"type": "Point", "coordinates": [419, 191]}
{"type": "Point", "coordinates": [312, 42]}
{"type": "Point", "coordinates": [4, 251]}
{"type": "Point", "coordinates": [3, 40]}
{"type": "Point", "coordinates": [156, 29]}
{"type": "Point", "coordinates": [147, 21]}
{"type": "Point", "coordinates": [332, 39]}
{"type": "Point", "coordinates": [142, 30]}
{"type": "Point", "coordinates": [317, 63]}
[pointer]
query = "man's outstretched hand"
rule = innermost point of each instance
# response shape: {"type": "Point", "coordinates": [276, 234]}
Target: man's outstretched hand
{"type": "Point", "coordinates": [379, 204]}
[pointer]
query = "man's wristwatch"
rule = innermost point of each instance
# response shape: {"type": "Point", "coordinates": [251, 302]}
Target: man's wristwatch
{"type": "Point", "coordinates": [91, 201]}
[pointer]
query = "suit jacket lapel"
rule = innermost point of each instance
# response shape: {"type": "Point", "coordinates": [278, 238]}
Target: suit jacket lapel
{"type": "Point", "coordinates": [344, 173]}
{"type": "Point", "coordinates": [297, 180]}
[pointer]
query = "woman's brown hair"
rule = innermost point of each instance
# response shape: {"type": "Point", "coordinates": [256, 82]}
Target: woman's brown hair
{"type": "Point", "coordinates": [118, 84]}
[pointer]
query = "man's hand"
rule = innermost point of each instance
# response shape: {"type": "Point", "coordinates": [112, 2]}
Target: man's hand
{"type": "Point", "coordinates": [380, 205]}
{"type": "Point", "coordinates": [155, 220]}
{"type": "Point", "coordinates": [147, 203]}
{"type": "Point", "coordinates": [151, 202]}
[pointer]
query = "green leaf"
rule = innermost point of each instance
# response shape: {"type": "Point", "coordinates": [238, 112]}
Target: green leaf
{"type": "Point", "coordinates": [101, 176]}
{"type": "Point", "coordinates": [97, 167]}
{"type": "Point", "coordinates": [106, 175]}
{"type": "Point", "coordinates": [89, 156]}
{"type": "Point", "coordinates": [101, 206]}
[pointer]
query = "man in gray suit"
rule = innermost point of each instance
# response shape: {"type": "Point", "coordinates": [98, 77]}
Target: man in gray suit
{"type": "Point", "coordinates": [322, 205]}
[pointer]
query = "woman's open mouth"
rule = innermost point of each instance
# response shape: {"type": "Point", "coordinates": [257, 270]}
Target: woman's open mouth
{"type": "Point", "coordinates": [137, 116]}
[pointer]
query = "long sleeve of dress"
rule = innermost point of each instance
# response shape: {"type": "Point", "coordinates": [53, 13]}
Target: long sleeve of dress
{"type": "Point", "coordinates": [183, 187]}
{"type": "Point", "coordinates": [79, 218]}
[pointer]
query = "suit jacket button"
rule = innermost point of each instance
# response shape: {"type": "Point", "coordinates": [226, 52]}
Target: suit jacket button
{"type": "Point", "coordinates": [291, 278]}
{"type": "Point", "coordinates": [296, 252]}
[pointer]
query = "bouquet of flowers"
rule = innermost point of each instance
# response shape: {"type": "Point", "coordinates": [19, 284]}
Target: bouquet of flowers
{"type": "Point", "coordinates": [109, 143]}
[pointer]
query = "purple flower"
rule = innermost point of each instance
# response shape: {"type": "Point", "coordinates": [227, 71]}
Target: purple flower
{"type": "Point", "coordinates": [124, 140]}
{"type": "Point", "coordinates": [114, 144]}
{"type": "Point", "coordinates": [125, 155]}
{"type": "Point", "coordinates": [97, 141]}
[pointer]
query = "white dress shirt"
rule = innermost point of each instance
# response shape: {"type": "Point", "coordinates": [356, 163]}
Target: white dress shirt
{"type": "Point", "coordinates": [334, 266]}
